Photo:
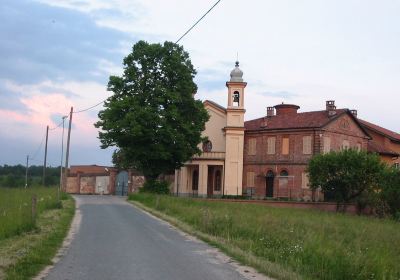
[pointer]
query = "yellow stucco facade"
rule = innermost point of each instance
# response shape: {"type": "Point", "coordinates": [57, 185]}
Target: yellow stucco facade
{"type": "Point", "coordinates": [204, 175]}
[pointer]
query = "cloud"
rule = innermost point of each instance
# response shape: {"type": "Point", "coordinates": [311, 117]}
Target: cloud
{"type": "Point", "coordinates": [43, 42]}
{"type": "Point", "coordinates": [280, 94]}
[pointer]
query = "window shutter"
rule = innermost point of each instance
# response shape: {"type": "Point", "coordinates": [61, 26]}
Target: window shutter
{"type": "Point", "coordinates": [285, 145]}
{"type": "Point", "coordinates": [305, 181]}
{"type": "Point", "coordinates": [271, 145]}
{"type": "Point", "coordinates": [252, 146]}
{"type": "Point", "coordinates": [250, 179]}
{"type": "Point", "coordinates": [327, 144]}
{"type": "Point", "coordinates": [307, 145]}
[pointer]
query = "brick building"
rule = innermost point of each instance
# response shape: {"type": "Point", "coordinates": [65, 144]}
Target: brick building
{"type": "Point", "coordinates": [384, 142]}
{"type": "Point", "coordinates": [268, 156]}
{"type": "Point", "coordinates": [278, 147]}
{"type": "Point", "coordinates": [95, 179]}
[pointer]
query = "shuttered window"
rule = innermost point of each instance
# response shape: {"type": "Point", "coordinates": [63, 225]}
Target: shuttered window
{"type": "Point", "coordinates": [250, 179]}
{"type": "Point", "coordinates": [305, 181]}
{"type": "Point", "coordinates": [327, 144]}
{"type": "Point", "coordinates": [271, 145]}
{"type": "Point", "coordinates": [285, 145]}
{"type": "Point", "coordinates": [307, 145]}
{"type": "Point", "coordinates": [252, 146]}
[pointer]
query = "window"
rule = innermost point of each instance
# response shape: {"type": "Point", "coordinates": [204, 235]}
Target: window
{"type": "Point", "coordinates": [283, 179]}
{"type": "Point", "coordinates": [305, 180]}
{"type": "Point", "coordinates": [271, 145]}
{"type": "Point", "coordinates": [327, 144]}
{"type": "Point", "coordinates": [217, 185]}
{"type": "Point", "coordinates": [307, 145]}
{"type": "Point", "coordinates": [252, 146]}
{"type": "Point", "coordinates": [345, 144]}
{"type": "Point", "coordinates": [236, 98]}
{"type": "Point", "coordinates": [250, 179]}
{"type": "Point", "coordinates": [195, 180]}
{"type": "Point", "coordinates": [285, 145]}
{"type": "Point", "coordinates": [396, 165]}
{"type": "Point", "coordinates": [359, 147]}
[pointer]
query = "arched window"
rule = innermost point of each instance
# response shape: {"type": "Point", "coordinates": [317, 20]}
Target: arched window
{"type": "Point", "coordinates": [284, 173]}
{"type": "Point", "coordinates": [195, 180]}
{"type": "Point", "coordinates": [236, 98]}
{"type": "Point", "coordinates": [217, 184]}
{"type": "Point", "coordinates": [270, 173]}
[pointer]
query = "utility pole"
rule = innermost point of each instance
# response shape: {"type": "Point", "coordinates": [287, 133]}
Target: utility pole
{"type": "Point", "coordinates": [62, 156]}
{"type": "Point", "coordinates": [26, 171]}
{"type": "Point", "coordinates": [68, 142]}
{"type": "Point", "coordinates": [45, 157]}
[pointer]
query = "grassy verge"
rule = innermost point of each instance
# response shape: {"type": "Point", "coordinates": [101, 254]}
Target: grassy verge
{"type": "Point", "coordinates": [16, 208]}
{"type": "Point", "coordinates": [288, 243]}
{"type": "Point", "coordinates": [24, 255]}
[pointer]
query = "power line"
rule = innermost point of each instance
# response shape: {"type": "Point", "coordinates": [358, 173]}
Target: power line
{"type": "Point", "coordinates": [38, 149]}
{"type": "Point", "coordinates": [216, 3]}
{"type": "Point", "coordinates": [91, 107]}
{"type": "Point", "coordinates": [57, 126]}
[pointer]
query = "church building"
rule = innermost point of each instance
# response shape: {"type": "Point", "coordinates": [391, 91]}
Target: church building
{"type": "Point", "coordinates": [267, 156]}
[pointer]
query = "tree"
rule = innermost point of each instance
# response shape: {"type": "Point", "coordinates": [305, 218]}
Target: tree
{"type": "Point", "coordinates": [389, 192]}
{"type": "Point", "coordinates": [345, 175]}
{"type": "Point", "coordinates": [152, 117]}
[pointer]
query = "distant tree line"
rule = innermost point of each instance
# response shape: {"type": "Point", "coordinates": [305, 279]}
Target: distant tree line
{"type": "Point", "coordinates": [13, 176]}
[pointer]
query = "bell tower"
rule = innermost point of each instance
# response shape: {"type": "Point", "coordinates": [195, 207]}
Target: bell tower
{"type": "Point", "coordinates": [234, 133]}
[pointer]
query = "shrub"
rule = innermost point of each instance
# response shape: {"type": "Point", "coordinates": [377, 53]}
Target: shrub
{"type": "Point", "coordinates": [389, 192]}
{"type": "Point", "coordinates": [346, 175]}
{"type": "Point", "coordinates": [155, 186]}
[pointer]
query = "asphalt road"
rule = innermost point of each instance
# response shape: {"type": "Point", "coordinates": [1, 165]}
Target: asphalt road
{"type": "Point", "coordinates": [115, 240]}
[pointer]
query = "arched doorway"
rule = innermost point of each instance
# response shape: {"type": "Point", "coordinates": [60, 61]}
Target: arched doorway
{"type": "Point", "coordinates": [121, 183]}
{"type": "Point", "coordinates": [269, 184]}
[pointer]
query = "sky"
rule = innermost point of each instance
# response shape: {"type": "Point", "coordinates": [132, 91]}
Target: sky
{"type": "Point", "coordinates": [58, 54]}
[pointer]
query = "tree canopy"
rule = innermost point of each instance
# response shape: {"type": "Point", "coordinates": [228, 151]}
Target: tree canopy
{"type": "Point", "coordinates": [152, 116]}
{"type": "Point", "coordinates": [346, 174]}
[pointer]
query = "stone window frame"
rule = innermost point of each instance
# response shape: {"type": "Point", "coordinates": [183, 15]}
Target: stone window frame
{"type": "Point", "coordinates": [307, 145]}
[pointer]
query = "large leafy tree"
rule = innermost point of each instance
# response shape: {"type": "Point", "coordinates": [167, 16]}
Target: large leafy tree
{"type": "Point", "coordinates": [345, 175]}
{"type": "Point", "coordinates": [152, 117]}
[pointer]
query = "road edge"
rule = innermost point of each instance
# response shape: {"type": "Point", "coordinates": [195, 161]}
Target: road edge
{"type": "Point", "coordinates": [186, 231]}
{"type": "Point", "coordinates": [74, 228]}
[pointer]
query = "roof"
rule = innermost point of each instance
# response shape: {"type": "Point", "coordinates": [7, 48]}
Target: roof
{"type": "Point", "coordinates": [216, 105]}
{"type": "Point", "coordinates": [375, 147]}
{"type": "Point", "coordinates": [314, 119]}
{"type": "Point", "coordinates": [380, 130]}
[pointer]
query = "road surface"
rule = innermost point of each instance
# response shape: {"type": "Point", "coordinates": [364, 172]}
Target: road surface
{"type": "Point", "coordinates": [115, 240]}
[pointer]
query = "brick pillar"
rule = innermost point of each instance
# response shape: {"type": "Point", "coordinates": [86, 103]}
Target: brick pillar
{"type": "Point", "coordinates": [78, 181]}
{"type": "Point", "coordinates": [111, 187]}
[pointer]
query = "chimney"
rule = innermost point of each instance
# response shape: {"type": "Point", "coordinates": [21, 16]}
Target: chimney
{"type": "Point", "coordinates": [270, 111]}
{"type": "Point", "coordinates": [330, 107]}
{"type": "Point", "coordinates": [354, 112]}
{"type": "Point", "coordinates": [288, 109]}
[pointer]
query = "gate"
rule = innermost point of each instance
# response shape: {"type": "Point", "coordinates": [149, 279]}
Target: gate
{"type": "Point", "coordinates": [121, 183]}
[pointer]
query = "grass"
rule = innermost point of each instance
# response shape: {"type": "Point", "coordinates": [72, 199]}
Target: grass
{"type": "Point", "coordinates": [16, 208]}
{"type": "Point", "coordinates": [27, 250]}
{"type": "Point", "coordinates": [288, 243]}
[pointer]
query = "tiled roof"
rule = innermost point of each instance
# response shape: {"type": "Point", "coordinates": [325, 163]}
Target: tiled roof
{"type": "Point", "coordinates": [375, 147]}
{"type": "Point", "coordinates": [315, 119]}
{"type": "Point", "coordinates": [386, 132]}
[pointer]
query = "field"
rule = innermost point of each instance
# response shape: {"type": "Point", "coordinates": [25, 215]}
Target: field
{"type": "Point", "coordinates": [288, 243]}
{"type": "Point", "coordinates": [28, 244]}
{"type": "Point", "coordinates": [16, 208]}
